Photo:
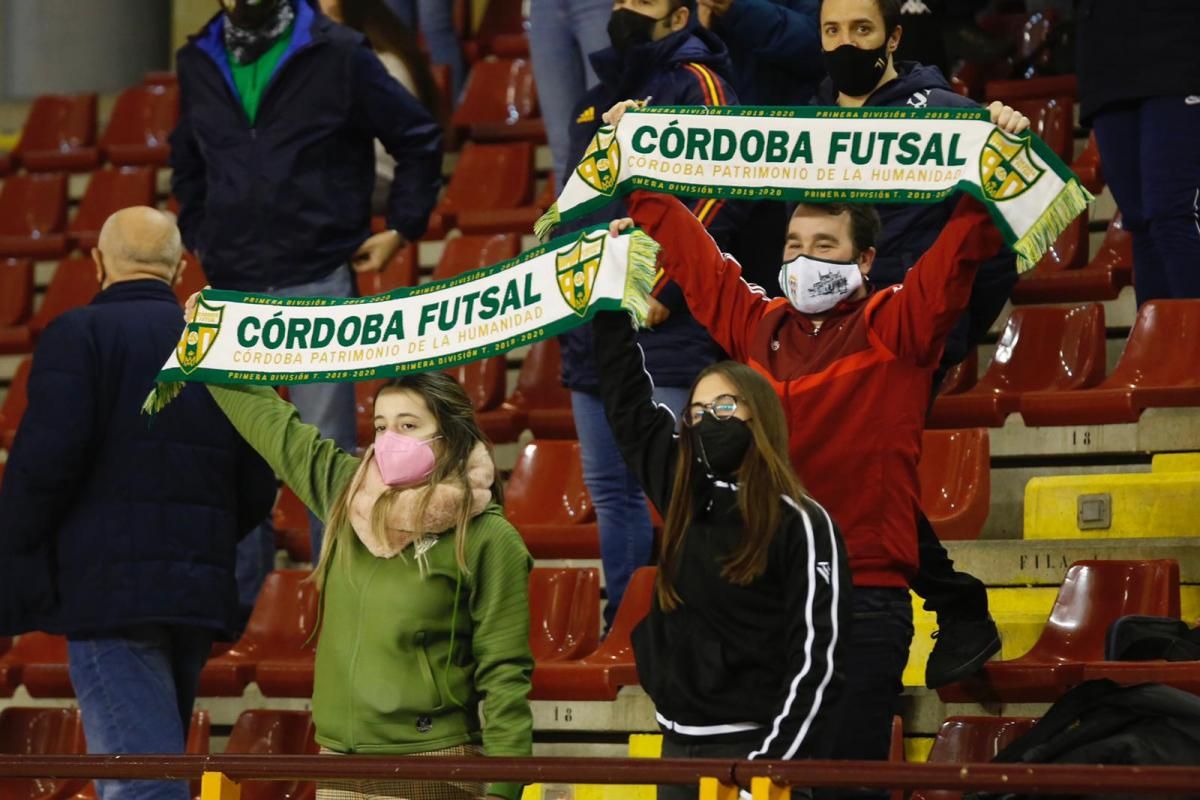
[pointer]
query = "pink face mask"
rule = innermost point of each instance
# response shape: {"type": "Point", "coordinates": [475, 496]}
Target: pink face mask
{"type": "Point", "coordinates": [403, 460]}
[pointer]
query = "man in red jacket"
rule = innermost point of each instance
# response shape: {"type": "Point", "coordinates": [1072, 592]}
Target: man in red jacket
{"type": "Point", "coordinates": [831, 346]}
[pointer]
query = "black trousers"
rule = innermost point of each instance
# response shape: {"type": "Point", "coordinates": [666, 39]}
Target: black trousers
{"type": "Point", "coordinates": [673, 749]}
{"type": "Point", "coordinates": [950, 594]}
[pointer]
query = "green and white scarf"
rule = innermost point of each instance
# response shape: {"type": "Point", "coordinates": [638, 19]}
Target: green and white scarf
{"type": "Point", "coordinates": [831, 155]}
{"type": "Point", "coordinates": [252, 338]}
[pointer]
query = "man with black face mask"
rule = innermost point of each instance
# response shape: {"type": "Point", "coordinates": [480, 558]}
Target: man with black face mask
{"type": "Point", "coordinates": [859, 38]}
{"type": "Point", "coordinates": [274, 165]}
{"type": "Point", "coordinates": [659, 53]}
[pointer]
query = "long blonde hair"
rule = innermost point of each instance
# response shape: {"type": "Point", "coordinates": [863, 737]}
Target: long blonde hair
{"type": "Point", "coordinates": [459, 432]}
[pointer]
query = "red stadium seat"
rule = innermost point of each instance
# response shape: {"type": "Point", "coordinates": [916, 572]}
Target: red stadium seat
{"type": "Point", "coordinates": [1156, 370]}
{"type": "Point", "coordinates": [73, 285]}
{"type": "Point", "coordinates": [141, 121]}
{"type": "Point", "coordinates": [500, 103]}
{"type": "Point", "coordinates": [1093, 595]}
{"type": "Point", "coordinates": [160, 79]}
{"type": "Point", "coordinates": [490, 191]}
{"type": "Point", "coordinates": [500, 31]}
{"type": "Point", "coordinates": [1050, 105]}
{"type": "Point", "coordinates": [547, 501]}
{"type": "Point", "coordinates": [364, 410]}
{"type": "Point", "coordinates": [1043, 348]}
{"type": "Point", "coordinates": [1064, 276]}
{"type": "Point", "coordinates": [38, 661]}
{"type": "Point", "coordinates": [283, 619]}
{"type": "Point", "coordinates": [40, 732]}
{"type": "Point", "coordinates": [33, 216]}
{"type": "Point", "coordinates": [291, 523]}
{"type": "Point", "coordinates": [264, 732]}
{"type": "Point", "coordinates": [564, 613]}
{"type": "Point", "coordinates": [400, 272]}
{"type": "Point", "coordinates": [5, 641]}
{"type": "Point", "coordinates": [191, 280]}
{"type": "Point", "coordinates": [465, 253]}
{"type": "Point", "coordinates": [16, 305]}
{"type": "Point", "coordinates": [955, 474]}
{"type": "Point", "coordinates": [6, 163]}
{"type": "Point", "coordinates": [961, 376]}
{"type": "Point", "coordinates": [108, 191]}
{"type": "Point", "coordinates": [1087, 166]}
{"type": "Point", "coordinates": [484, 382]}
{"type": "Point", "coordinates": [972, 740]}
{"type": "Point", "coordinates": [601, 675]}
{"type": "Point", "coordinates": [540, 401]}
{"type": "Point", "coordinates": [14, 406]}
{"type": "Point", "coordinates": [59, 134]}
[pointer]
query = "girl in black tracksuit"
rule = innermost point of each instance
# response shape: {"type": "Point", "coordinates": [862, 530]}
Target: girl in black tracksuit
{"type": "Point", "coordinates": [740, 651]}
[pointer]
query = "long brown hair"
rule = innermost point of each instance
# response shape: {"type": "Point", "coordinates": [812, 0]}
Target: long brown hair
{"type": "Point", "coordinates": [387, 33]}
{"type": "Point", "coordinates": [459, 432]}
{"type": "Point", "coordinates": [765, 475]}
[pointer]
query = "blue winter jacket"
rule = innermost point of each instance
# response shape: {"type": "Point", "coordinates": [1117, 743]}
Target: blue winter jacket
{"type": "Point", "coordinates": [687, 68]}
{"type": "Point", "coordinates": [910, 230]}
{"type": "Point", "coordinates": [775, 47]}
{"type": "Point", "coordinates": [109, 519]}
{"type": "Point", "coordinates": [288, 200]}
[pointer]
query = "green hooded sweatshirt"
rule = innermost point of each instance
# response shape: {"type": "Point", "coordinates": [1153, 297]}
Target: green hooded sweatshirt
{"type": "Point", "coordinates": [405, 661]}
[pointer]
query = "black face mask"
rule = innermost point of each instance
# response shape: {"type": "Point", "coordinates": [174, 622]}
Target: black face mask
{"type": "Point", "coordinates": [250, 16]}
{"type": "Point", "coordinates": [722, 444]}
{"type": "Point", "coordinates": [628, 29]}
{"type": "Point", "coordinates": [856, 72]}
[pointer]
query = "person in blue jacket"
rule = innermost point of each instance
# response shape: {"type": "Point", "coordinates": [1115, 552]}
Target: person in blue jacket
{"type": "Point", "coordinates": [117, 532]}
{"type": "Point", "coordinates": [659, 53]}
{"type": "Point", "coordinates": [774, 45]}
{"type": "Point", "coordinates": [274, 165]}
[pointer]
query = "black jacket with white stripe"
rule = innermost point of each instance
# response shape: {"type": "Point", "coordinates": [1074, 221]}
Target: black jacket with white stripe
{"type": "Point", "coordinates": [757, 663]}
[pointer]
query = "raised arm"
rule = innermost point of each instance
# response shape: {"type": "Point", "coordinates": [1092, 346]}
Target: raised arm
{"type": "Point", "coordinates": [914, 323]}
{"type": "Point", "coordinates": [313, 467]}
{"type": "Point", "coordinates": [644, 430]}
{"type": "Point", "coordinates": [816, 594]}
{"type": "Point", "coordinates": [784, 36]}
{"type": "Point", "coordinates": [711, 280]}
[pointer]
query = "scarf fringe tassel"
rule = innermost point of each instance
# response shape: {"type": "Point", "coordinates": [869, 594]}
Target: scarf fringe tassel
{"type": "Point", "coordinates": [547, 222]}
{"type": "Point", "coordinates": [1071, 202]}
{"type": "Point", "coordinates": [640, 270]}
{"type": "Point", "coordinates": [161, 396]}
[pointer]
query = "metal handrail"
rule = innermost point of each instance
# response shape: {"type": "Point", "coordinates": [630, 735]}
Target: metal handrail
{"type": "Point", "coordinates": [1025, 778]}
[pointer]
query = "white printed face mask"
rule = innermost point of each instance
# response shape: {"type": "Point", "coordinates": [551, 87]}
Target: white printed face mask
{"type": "Point", "coordinates": [814, 286]}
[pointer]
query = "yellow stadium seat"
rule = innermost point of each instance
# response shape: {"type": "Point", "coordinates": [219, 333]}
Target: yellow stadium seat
{"type": "Point", "coordinates": [1132, 506]}
{"type": "Point", "coordinates": [1176, 462]}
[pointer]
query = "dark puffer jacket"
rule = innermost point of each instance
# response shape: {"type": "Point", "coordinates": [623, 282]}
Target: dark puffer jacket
{"type": "Point", "coordinates": [109, 519]}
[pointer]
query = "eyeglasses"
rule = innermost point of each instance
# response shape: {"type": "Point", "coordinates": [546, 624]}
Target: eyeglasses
{"type": "Point", "coordinates": [722, 407]}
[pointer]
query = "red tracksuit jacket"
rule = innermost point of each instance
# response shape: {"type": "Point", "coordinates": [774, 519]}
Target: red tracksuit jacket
{"type": "Point", "coordinates": [879, 353]}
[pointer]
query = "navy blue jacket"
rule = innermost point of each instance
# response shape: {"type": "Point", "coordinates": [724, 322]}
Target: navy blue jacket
{"type": "Point", "coordinates": [775, 47]}
{"type": "Point", "coordinates": [106, 519]}
{"type": "Point", "coordinates": [910, 230]}
{"type": "Point", "coordinates": [687, 68]}
{"type": "Point", "coordinates": [288, 200]}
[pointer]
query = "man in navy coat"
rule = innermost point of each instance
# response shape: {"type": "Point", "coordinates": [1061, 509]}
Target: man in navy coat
{"type": "Point", "coordinates": [117, 531]}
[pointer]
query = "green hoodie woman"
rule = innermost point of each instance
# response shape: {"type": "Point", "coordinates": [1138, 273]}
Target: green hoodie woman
{"type": "Point", "coordinates": [424, 583]}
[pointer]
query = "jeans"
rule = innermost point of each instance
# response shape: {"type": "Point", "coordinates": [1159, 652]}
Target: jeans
{"type": "Point", "coordinates": [135, 689]}
{"type": "Point", "coordinates": [562, 34]}
{"type": "Point", "coordinates": [626, 534]}
{"type": "Point", "coordinates": [435, 18]}
{"type": "Point", "coordinates": [329, 406]}
{"type": "Point", "coordinates": [874, 656]}
{"type": "Point", "coordinates": [1151, 159]}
